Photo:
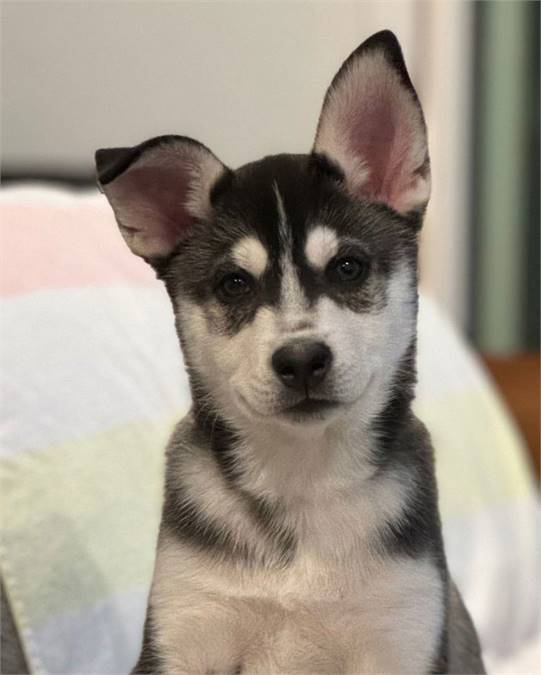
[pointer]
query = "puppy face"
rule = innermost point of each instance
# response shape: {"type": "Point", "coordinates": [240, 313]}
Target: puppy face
{"type": "Point", "coordinates": [297, 295]}
{"type": "Point", "coordinates": [293, 279]}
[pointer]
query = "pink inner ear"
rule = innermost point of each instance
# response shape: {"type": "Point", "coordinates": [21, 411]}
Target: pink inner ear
{"type": "Point", "coordinates": [154, 200]}
{"type": "Point", "coordinates": [381, 133]}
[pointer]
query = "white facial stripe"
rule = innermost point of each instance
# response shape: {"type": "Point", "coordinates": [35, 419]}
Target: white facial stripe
{"type": "Point", "coordinates": [293, 301]}
{"type": "Point", "coordinates": [321, 246]}
{"type": "Point", "coordinates": [250, 254]}
{"type": "Point", "coordinates": [283, 229]}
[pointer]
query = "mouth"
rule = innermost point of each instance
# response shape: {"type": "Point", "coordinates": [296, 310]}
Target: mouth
{"type": "Point", "coordinates": [310, 406]}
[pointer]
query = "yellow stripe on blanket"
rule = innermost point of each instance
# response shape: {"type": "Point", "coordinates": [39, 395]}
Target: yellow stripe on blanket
{"type": "Point", "coordinates": [477, 449]}
{"type": "Point", "coordinates": [80, 519]}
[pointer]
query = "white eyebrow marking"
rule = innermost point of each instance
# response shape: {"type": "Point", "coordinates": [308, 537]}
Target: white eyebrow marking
{"type": "Point", "coordinates": [250, 254]}
{"type": "Point", "coordinates": [321, 246]}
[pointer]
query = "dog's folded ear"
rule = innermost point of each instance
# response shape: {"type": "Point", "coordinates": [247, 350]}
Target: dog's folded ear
{"type": "Point", "coordinates": [372, 127]}
{"type": "Point", "coordinates": [157, 189]}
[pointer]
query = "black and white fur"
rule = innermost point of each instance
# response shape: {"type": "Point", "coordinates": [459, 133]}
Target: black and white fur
{"type": "Point", "coordinates": [300, 529]}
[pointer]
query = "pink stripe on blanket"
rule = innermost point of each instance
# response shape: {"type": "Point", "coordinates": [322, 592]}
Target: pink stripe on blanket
{"type": "Point", "coordinates": [71, 242]}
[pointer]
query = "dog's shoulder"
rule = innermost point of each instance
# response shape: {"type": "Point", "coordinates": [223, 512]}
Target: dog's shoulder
{"type": "Point", "coordinates": [417, 529]}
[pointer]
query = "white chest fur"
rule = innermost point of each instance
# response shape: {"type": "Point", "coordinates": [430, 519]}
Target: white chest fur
{"type": "Point", "coordinates": [335, 608]}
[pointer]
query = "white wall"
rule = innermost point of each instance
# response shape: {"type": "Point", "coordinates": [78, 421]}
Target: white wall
{"type": "Point", "coordinates": [245, 78]}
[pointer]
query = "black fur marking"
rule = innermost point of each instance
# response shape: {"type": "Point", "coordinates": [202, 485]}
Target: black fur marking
{"type": "Point", "coordinates": [326, 167]}
{"type": "Point", "coordinates": [395, 418]}
{"type": "Point", "coordinates": [404, 443]}
{"type": "Point", "coordinates": [111, 162]}
{"type": "Point", "coordinates": [417, 531]}
{"type": "Point", "coordinates": [269, 518]}
{"type": "Point", "coordinates": [222, 184]}
{"type": "Point", "coordinates": [149, 660]}
{"type": "Point", "coordinates": [187, 521]}
{"type": "Point", "coordinates": [387, 42]}
{"type": "Point", "coordinates": [184, 519]}
{"type": "Point", "coordinates": [245, 204]}
{"type": "Point", "coordinates": [214, 432]}
{"type": "Point", "coordinates": [221, 438]}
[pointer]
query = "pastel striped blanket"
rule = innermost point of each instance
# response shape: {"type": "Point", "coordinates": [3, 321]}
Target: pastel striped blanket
{"type": "Point", "coordinates": [93, 381]}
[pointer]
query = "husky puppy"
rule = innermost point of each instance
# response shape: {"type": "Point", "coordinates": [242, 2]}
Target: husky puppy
{"type": "Point", "coordinates": [300, 529]}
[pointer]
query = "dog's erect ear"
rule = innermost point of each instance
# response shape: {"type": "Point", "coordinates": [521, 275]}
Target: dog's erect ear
{"type": "Point", "coordinates": [157, 189]}
{"type": "Point", "coordinates": [372, 127]}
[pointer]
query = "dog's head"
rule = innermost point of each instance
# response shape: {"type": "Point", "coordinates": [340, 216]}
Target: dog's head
{"type": "Point", "coordinates": [293, 278]}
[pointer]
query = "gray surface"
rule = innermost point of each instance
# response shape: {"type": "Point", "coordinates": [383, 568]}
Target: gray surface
{"type": "Point", "coordinates": [12, 659]}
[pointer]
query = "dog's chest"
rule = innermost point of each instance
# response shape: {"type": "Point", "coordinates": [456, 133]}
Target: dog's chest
{"type": "Point", "coordinates": [331, 607]}
{"type": "Point", "coordinates": [317, 614]}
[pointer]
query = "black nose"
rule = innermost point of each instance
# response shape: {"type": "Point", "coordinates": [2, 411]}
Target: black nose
{"type": "Point", "coordinates": [302, 364]}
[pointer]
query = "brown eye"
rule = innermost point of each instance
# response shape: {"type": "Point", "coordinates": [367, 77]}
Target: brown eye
{"type": "Point", "coordinates": [345, 270]}
{"type": "Point", "coordinates": [234, 285]}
